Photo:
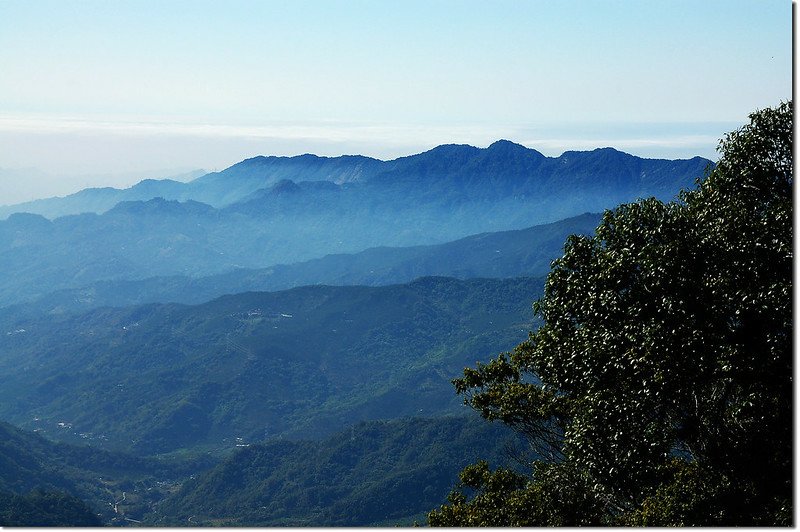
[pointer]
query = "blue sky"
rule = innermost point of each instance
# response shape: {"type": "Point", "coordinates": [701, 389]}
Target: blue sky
{"type": "Point", "coordinates": [102, 89]}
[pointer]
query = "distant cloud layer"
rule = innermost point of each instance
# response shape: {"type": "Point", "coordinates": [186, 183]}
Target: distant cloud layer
{"type": "Point", "coordinates": [384, 141]}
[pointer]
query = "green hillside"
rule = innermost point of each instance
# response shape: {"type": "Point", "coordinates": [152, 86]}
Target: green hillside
{"type": "Point", "coordinates": [45, 483]}
{"type": "Point", "coordinates": [303, 362]}
{"type": "Point", "coordinates": [383, 472]}
{"type": "Point", "coordinates": [376, 473]}
{"type": "Point", "coordinates": [40, 508]}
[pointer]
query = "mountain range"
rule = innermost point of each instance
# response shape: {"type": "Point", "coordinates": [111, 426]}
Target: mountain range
{"type": "Point", "coordinates": [504, 254]}
{"type": "Point", "coordinates": [256, 218]}
{"type": "Point", "coordinates": [274, 344]}
{"type": "Point", "coordinates": [502, 167]}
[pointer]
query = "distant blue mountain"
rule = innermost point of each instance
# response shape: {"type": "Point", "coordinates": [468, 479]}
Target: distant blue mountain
{"type": "Point", "coordinates": [505, 254]}
{"type": "Point", "coordinates": [97, 200]}
{"type": "Point", "coordinates": [281, 210]}
{"type": "Point", "coordinates": [504, 166]}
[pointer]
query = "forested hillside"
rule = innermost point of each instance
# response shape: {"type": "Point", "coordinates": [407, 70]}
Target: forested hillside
{"type": "Point", "coordinates": [301, 406]}
{"type": "Point", "coordinates": [376, 473]}
{"type": "Point", "coordinates": [372, 473]}
{"type": "Point", "coordinates": [40, 509]}
{"type": "Point", "coordinates": [43, 483]}
{"type": "Point", "coordinates": [302, 362]}
{"type": "Point", "coordinates": [452, 263]}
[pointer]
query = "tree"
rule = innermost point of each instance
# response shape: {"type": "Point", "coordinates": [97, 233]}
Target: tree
{"type": "Point", "coordinates": [658, 390]}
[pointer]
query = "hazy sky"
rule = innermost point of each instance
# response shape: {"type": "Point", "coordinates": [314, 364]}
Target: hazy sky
{"type": "Point", "coordinates": [122, 89]}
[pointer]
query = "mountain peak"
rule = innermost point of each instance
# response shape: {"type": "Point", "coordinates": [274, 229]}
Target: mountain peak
{"type": "Point", "coordinates": [609, 149]}
{"type": "Point", "coordinates": [160, 205]}
{"type": "Point", "coordinates": [505, 144]}
{"type": "Point", "coordinates": [284, 186]}
{"type": "Point", "coordinates": [19, 220]}
{"type": "Point", "coordinates": [451, 149]}
{"type": "Point", "coordinates": [507, 147]}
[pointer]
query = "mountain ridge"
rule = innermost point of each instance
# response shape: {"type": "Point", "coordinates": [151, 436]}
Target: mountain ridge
{"type": "Point", "coordinates": [283, 217]}
{"type": "Point", "coordinates": [263, 171]}
{"type": "Point", "coordinates": [501, 254]}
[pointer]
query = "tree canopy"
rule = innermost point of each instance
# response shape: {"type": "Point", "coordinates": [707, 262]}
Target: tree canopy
{"type": "Point", "coordinates": [658, 390]}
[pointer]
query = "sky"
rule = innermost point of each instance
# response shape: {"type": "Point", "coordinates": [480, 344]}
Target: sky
{"type": "Point", "coordinates": [108, 92]}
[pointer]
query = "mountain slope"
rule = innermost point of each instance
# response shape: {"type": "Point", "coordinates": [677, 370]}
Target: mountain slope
{"type": "Point", "coordinates": [376, 473]}
{"type": "Point", "coordinates": [510, 167]}
{"type": "Point", "coordinates": [523, 252]}
{"type": "Point", "coordinates": [98, 200]}
{"type": "Point", "coordinates": [372, 473]}
{"type": "Point", "coordinates": [301, 362]}
{"type": "Point", "coordinates": [38, 472]}
{"type": "Point", "coordinates": [441, 195]}
{"type": "Point", "coordinates": [215, 188]}
{"type": "Point", "coordinates": [500, 168]}
{"type": "Point", "coordinates": [242, 179]}
{"type": "Point", "coordinates": [40, 509]}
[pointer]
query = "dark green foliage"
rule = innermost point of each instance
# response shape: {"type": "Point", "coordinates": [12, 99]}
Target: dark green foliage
{"type": "Point", "coordinates": [663, 370]}
{"type": "Point", "coordinates": [560, 496]}
{"type": "Point", "coordinates": [40, 508]}
{"type": "Point", "coordinates": [375, 472]}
